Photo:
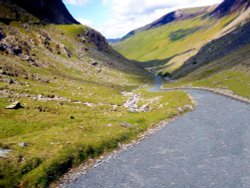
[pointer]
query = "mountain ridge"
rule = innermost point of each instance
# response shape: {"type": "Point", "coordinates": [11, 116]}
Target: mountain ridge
{"type": "Point", "coordinates": [180, 14]}
{"type": "Point", "coordinates": [229, 6]}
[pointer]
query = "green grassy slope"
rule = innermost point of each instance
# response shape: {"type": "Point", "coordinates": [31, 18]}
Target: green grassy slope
{"type": "Point", "coordinates": [230, 73]}
{"type": "Point", "coordinates": [70, 83]}
{"type": "Point", "coordinates": [172, 44]}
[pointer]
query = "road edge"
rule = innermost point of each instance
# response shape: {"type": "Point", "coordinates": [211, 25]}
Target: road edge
{"type": "Point", "coordinates": [216, 91]}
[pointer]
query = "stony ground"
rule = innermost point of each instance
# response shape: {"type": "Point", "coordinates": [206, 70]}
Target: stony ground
{"type": "Point", "coordinates": [209, 147]}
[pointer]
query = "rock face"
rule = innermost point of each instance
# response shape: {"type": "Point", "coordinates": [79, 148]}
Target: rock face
{"type": "Point", "coordinates": [230, 6]}
{"type": "Point", "coordinates": [96, 38]}
{"type": "Point", "coordinates": [47, 11]}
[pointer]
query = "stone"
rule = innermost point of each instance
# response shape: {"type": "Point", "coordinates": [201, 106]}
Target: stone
{"type": "Point", "coordinates": [42, 109]}
{"type": "Point", "coordinates": [125, 124]}
{"type": "Point", "coordinates": [10, 81]}
{"type": "Point", "coordinates": [119, 145]}
{"type": "Point", "coordinates": [51, 96]}
{"type": "Point", "coordinates": [132, 110]}
{"type": "Point", "coordinates": [94, 63]}
{"type": "Point", "coordinates": [188, 107]}
{"type": "Point", "coordinates": [144, 108]}
{"type": "Point", "coordinates": [4, 152]}
{"type": "Point", "coordinates": [23, 144]}
{"type": "Point", "coordinates": [115, 107]}
{"type": "Point", "coordinates": [15, 105]}
{"type": "Point", "coordinates": [16, 50]}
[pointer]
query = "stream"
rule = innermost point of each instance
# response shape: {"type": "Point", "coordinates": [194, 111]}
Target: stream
{"type": "Point", "coordinates": [157, 85]}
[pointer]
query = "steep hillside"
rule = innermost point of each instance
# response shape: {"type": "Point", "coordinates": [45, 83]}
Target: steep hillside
{"type": "Point", "coordinates": [223, 63]}
{"type": "Point", "coordinates": [216, 49]}
{"type": "Point", "coordinates": [65, 94]}
{"type": "Point", "coordinates": [230, 6]}
{"type": "Point", "coordinates": [26, 38]}
{"type": "Point", "coordinates": [167, 47]}
{"type": "Point", "coordinates": [230, 74]}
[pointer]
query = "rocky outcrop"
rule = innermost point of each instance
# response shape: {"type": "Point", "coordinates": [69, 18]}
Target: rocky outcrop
{"type": "Point", "coordinates": [92, 36]}
{"type": "Point", "coordinates": [47, 11]}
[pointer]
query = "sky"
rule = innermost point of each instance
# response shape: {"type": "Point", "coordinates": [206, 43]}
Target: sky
{"type": "Point", "coordinates": [115, 18]}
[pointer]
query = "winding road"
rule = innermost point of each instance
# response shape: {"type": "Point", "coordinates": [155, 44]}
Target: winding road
{"type": "Point", "coordinates": [209, 147]}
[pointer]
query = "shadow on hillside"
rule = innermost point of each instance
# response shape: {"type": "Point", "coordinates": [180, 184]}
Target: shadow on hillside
{"type": "Point", "coordinates": [158, 64]}
{"type": "Point", "coordinates": [216, 50]}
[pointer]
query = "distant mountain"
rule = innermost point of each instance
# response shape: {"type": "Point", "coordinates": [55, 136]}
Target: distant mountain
{"type": "Point", "coordinates": [166, 44]}
{"type": "Point", "coordinates": [177, 15]}
{"type": "Point", "coordinates": [114, 40]}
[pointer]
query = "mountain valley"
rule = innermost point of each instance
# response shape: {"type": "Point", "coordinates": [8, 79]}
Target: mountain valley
{"type": "Point", "coordinates": [68, 96]}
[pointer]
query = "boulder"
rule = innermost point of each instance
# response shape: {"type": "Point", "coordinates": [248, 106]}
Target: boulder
{"type": "Point", "coordinates": [125, 125]}
{"type": "Point", "coordinates": [94, 63]}
{"type": "Point", "coordinates": [23, 144]}
{"type": "Point", "coordinates": [15, 105]}
{"type": "Point", "coordinates": [144, 108]}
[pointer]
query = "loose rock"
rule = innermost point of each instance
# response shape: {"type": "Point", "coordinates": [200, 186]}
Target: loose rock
{"type": "Point", "coordinates": [14, 106]}
{"type": "Point", "coordinates": [125, 124]}
{"type": "Point", "coordinates": [23, 144]}
{"type": "Point", "coordinates": [94, 63]}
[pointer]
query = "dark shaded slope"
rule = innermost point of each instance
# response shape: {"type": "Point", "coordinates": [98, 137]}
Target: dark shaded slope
{"type": "Point", "coordinates": [216, 49]}
{"type": "Point", "coordinates": [47, 11]}
{"type": "Point", "coordinates": [229, 6]}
